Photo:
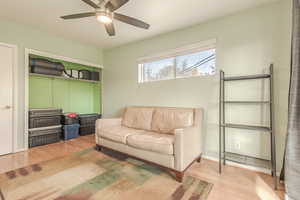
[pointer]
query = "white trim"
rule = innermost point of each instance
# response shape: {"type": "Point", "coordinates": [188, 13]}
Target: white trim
{"type": "Point", "coordinates": [26, 96]}
{"type": "Point", "coordinates": [101, 94]}
{"type": "Point", "coordinates": [172, 54]}
{"type": "Point", "coordinates": [64, 58]}
{"type": "Point", "coordinates": [15, 96]}
{"type": "Point", "coordinates": [49, 55]}
{"type": "Point", "coordinates": [192, 48]}
{"type": "Point", "coordinates": [257, 169]}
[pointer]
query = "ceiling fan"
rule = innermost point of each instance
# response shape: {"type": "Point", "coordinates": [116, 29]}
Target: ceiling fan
{"type": "Point", "coordinates": [105, 13]}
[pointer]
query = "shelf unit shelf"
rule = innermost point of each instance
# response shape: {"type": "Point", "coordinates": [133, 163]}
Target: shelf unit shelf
{"type": "Point", "coordinates": [239, 78]}
{"type": "Point", "coordinates": [244, 159]}
{"type": "Point", "coordinates": [248, 160]}
{"type": "Point", "coordinates": [62, 77]}
{"type": "Point", "coordinates": [248, 127]}
{"type": "Point", "coordinates": [247, 102]}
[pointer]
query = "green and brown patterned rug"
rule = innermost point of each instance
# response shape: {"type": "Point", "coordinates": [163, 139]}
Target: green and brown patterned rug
{"type": "Point", "coordinates": [90, 175]}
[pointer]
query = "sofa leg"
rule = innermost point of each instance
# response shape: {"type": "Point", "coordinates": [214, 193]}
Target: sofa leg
{"type": "Point", "coordinates": [179, 176]}
{"type": "Point", "coordinates": [98, 147]}
{"type": "Point", "coordinates": [199, 159]}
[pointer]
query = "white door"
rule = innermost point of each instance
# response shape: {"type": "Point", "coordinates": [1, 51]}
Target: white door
{"type": "Point", "coordinates": [6, 99]}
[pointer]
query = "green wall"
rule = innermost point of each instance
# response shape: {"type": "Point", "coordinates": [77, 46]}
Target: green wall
{"type": "Point", "coordinates": [247, 42]}
{"type": "Point", "coordinates": [70, 95]}
{"type": "Point", "coordinates": [26, 36]}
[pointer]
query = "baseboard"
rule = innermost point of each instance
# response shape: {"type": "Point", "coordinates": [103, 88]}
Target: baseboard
{"type": "Point", "coordinates": [286, 197]}
{"type": "Point", "coordinates": [257, 169]}
{"type": "Point", "coordinates": [20, 150]}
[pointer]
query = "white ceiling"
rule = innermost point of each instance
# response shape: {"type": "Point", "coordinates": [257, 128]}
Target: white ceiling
{"type": "Point", "coordinates": [163, 16]}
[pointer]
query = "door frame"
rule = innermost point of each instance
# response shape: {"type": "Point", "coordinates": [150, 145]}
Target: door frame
{"type": "Point", "coordinates": [26, 84]}
{"type": "Point", "coordinates": [14, 97]}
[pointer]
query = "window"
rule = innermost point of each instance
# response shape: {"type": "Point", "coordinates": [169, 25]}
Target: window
{"type": "Point", "coordinates": [196, 60]}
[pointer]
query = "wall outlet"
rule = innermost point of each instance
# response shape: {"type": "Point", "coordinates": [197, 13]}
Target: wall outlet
{"type": "Point", "coordinates": [237, 145]}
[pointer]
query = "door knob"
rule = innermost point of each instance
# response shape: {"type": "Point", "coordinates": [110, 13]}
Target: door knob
{"type": "Point", "coordinates": [7, 107]}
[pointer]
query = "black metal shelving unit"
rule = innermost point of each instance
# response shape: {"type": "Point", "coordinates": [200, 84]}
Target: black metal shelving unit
{"type": "Point", "coordinates": [239, 158]}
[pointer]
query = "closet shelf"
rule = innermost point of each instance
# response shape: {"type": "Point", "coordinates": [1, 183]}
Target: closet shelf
{"type": "Point", "coordinates": [62, 77]}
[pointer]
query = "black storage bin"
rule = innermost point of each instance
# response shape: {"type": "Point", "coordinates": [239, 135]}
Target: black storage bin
{"type": "Point", "coordinates": [47, 67]}
{"type": "Point", "coordinates": [85, 74]}
{"type": "Point", "coordinates": [43, 136]}
{"type": "Point", "coordinates": [95, 76]}
{"type": "Point", "coordinates": [88, 119]}
{"type": "Point", "coordinates": [87, 130]}
{"type": "Point", "coordinates": [41, 62]}
{"type": "Point", "coordinates": [45, 121]}
{"type": "Point", "coordinates": [44, 112]}
{"type": "Point", "coordinates": [45, 71]}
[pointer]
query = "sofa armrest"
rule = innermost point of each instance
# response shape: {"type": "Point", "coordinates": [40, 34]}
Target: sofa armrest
{"type": "Point", "coordinates": [187, 146]}
{"type": "Point", "coordinates": [103, 123]}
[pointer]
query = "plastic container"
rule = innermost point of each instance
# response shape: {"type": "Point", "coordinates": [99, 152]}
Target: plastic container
{"type": "Point", "coordinates": [44, 63]}
{"type": "Point", "coordinates": [85, 74]}
{"type": "Point", "coordinates": [44, 66]}
{"type": "Point", "coordinates": [71, 73]}
{"type": "Point", "coordinates": [75, 73]}
{"type": "Point", "coordinates": [43, 136]}
{"type": "Point", "coordinates": [44, 121]}
{"type": "Point", "coordinates": [88, 119]}
{"type": "Point", "coordinates": [71, 131]}
{"type": "Point", "coordinates": [45, 71]}
{"type": "Point", "coordinates": [95, 76]}
{"type": "Point", "coordinates": [87, 130]}
{"type": "Point", "coordinates": [46, 112]}
{"type": "Point", "coordinates": [69, 119]}
{"type": "Point", "coordinates": [68, 73]}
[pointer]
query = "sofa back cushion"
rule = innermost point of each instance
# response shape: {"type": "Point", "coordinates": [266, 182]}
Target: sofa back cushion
{"type": "Point", "coordinates": [138, 117]}
{"type": "Point", "coordinates": [165, 120]}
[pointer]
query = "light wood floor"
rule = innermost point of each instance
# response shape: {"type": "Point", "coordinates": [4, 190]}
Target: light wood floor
{"type": "Point", "coordinates": [233, 184]}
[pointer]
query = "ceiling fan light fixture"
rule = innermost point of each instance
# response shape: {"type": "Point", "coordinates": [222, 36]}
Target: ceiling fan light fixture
{"type": "Point", "coordinates": [104, 17]}
{"type": "Point", "coordinates": [105, 14]}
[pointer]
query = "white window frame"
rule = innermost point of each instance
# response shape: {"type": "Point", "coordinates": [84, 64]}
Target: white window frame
{"type": "Point", "coordinates": [189, 49]}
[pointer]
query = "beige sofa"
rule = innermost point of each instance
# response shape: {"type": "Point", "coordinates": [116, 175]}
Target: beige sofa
{"type": "Point", "coordinates": [168, 137]}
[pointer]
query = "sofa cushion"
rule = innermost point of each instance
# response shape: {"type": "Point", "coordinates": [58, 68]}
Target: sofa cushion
{"type": "Point", "coordinates": [118, 133]}
{"type": "Point", "coordinates": [138, 117]}
{"type": "Point", "coordinates": [151, 141]}
{"type": "Point", "coordinates": [165, 120]}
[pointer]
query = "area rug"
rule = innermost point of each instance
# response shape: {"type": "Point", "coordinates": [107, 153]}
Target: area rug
{"type": "Point", "coordinates": [91, 175]}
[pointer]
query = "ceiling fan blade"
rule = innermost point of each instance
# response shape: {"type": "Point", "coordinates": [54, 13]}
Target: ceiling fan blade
{"type": "Point", "coordinates": [131, 21]}
{"type": "Point", "coordinates": [110, 29]}
{"type": "Point", "coordinates": [91, 3]}
{"type": "Point", "coordinates": [79, 15]}
{"type": "Point", "coordinates": [113, 5]}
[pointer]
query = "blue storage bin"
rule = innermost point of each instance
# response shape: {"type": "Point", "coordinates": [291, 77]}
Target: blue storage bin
{"type": "Point", "coordinates": [71, 131]}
